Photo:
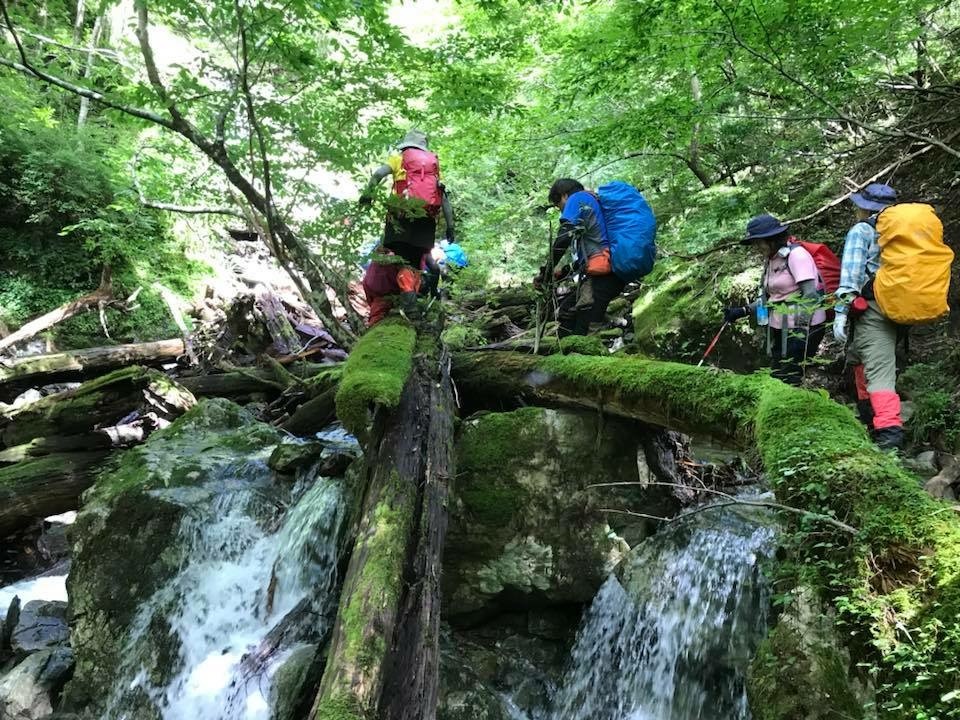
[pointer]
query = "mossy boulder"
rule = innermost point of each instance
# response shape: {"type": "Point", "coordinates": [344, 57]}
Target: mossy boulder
{"type": "Point", "coordinates": [293, 680]}
{"type": "Point", "coordinates": [126, 541]}
{"type": "Point", "coordinates": [802, 670]}
{"type": "Point", "coordinates": [525, 528]}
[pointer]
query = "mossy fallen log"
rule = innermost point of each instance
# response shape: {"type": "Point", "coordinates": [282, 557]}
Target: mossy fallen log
{"type": "Point", "coordinates": [82, 364]}
{"type": "Point", "coordinates": [54, 445]}
{"type": "Point", "coordinates": [895, 585]}
{"type": "Point", "coordinates": [375, 373]}
{"type": "Point", "coordinates": [383, 659]}
{"type": "Point", "coordinates": [247, 380]}
{"type": "Point", "coordinates": [96, 405]}
{"type": "Point", "coordinates": [39, 487]}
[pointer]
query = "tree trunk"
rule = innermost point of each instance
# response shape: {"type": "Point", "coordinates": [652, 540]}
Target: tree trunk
{"type": "Point", "coordinates": [486, 378]}
{"type": "Point", "coordinates": [383, 655]}
{"type": "Point", "coordinates": [285, 338]}
{"type": "Point", "coordinates": [82, 364]}
{"type": "Point", "coordinates": [97, 406]}
{"type": "Point", "coordinates": [313, 415]}
{"type": "Point", "coordinates": [45, 486]}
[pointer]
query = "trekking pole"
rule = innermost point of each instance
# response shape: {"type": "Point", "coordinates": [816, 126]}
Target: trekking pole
{"type": "Point", "coordinates": [712, 343]}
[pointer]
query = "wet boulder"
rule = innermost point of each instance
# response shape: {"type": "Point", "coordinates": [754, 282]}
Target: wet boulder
{"type": "Point", "coordinates": [293, 681]}
{"type": "Point", "coordinates": [40, 625]}
{"type": "Point", "coordinates": [31, 690]}
{"type": "Point", "coordinates": [127, 544]}
{"type": "Point", "coordinates": [803, 670]}
{"type": "Point", "coordinates": [526, 528]}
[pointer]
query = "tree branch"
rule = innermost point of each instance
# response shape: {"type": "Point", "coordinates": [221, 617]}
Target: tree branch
{"type": "Point", "coordinates": [27, 68]}
{"type": "Point", "coordinates": [150, 63]}
{"type": "Point", "coordinates": [732, 500]}
{"type": "Point", "coordinates": [173, 207]}
{"type": "Point", "coordinates": [873, 178]}
{"type": "Point", "coordinates": [778, 66]}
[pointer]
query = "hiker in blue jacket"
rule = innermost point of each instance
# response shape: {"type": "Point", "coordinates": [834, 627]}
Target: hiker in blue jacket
{"type": "Point", "coordinates": [582, 232]}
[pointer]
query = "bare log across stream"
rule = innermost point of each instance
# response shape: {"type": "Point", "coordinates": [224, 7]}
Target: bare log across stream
{"type": "Point", "coordinates": [83, 364]}
{"type": "Point", "coordinates": [383, 656]}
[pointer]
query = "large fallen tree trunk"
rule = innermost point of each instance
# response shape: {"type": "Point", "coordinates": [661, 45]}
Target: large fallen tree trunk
{"type": "Point", "coordinates": [83, 364]}
{"type": "Point", "coordinates": [45, 486]}
{"type": "Point", "coordinates": [383, 656]}
{"type": "Point", "coordinates": [896, 580]}
{"type": "Point", "coordinates": [55, 445]}
{"type": "Point", "coordinates": [97, 406]}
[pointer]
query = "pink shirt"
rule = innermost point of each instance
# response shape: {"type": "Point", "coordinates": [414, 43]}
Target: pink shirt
{"type": "Point", "coordinates": [783, 278]}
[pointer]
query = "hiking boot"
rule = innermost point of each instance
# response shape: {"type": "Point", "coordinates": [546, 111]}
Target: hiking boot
{"type": "Point", "coordinates": [888, 438]}
{"type": "Point", "coordinates": [865, 411]}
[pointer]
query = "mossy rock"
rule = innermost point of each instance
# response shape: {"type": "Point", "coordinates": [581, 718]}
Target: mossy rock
{"type": "Point", "coordinates": [802, 670]}
{"type": "Point", "coordinates": [524, 526]}
{"type": "Point", "coordinates": [127, 544]}
{"type": "Point", "coordinates": [292, 681]}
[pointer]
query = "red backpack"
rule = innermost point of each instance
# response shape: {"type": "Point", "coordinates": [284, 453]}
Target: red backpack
{"type": "Point", "coordinates": [828, 264]}
{"type": "Point", "coordinates": [422, 170]}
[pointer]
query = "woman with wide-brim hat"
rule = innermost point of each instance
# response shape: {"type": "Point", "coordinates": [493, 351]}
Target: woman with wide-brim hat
{"type": "Point", "coordinates": [790, 300]}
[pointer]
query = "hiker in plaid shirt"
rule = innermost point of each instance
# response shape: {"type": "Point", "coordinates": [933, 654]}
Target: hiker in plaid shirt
{"type": "Point", "coordinates": [871, 349]}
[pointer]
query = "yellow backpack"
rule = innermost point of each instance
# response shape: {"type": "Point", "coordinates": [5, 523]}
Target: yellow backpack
{"type": "Point", "coordinates": [914, 276]}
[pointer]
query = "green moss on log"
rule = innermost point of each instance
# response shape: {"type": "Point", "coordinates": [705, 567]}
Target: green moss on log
{"type": "Point", "coordinates": [379, 582]}
{"type": "Point", "coordinates": [375, 372]}
{"type": "Point", "coordinates": [338, 707]}
{"type": "Point", "coordinates": [895, 585]}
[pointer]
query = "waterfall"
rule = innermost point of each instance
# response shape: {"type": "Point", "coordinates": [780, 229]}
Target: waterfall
{"type": "Point", "coordinates": [248, 593]}
{"type": "Point", "coordinates": [672, 639]}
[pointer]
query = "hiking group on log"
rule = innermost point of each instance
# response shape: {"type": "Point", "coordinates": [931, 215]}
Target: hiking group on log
{"type": "Point", "coordinates": [894, 272]}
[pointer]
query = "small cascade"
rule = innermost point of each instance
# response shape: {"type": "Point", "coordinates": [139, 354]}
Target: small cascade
{"type": "Point", "coordinates": [672, 637]}
{"type": "Point", "coordinates": [248, 594]}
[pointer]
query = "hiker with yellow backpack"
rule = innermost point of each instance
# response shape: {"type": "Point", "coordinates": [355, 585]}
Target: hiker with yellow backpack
{"type": "Point", "coordinates": [895, 272]}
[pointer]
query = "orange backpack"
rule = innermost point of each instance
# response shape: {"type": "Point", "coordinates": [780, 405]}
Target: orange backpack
{"type": "Point", "coordinates": [914, 276]}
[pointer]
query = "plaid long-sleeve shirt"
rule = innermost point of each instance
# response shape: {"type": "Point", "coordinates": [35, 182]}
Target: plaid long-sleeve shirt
{"type": "Point", "coordinates": [861, 260]}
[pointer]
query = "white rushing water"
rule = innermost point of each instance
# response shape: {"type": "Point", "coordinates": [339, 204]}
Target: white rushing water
{"type": "Point", "coordinates": [677, 645]}
{"type": "Point", "coordinates": [239, 581]}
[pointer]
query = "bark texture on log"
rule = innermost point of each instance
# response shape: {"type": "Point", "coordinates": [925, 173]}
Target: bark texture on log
{"type": "Point", "coordinates": [248, 380]}
{"type": "Point", "coordinates": [55, 445]}
{"type": "Point", "coordinates": [383, 654]}
{"type": "Point", "coordinates": [83, 364]}
{"type": "Point", "coordinates": [45, 486]}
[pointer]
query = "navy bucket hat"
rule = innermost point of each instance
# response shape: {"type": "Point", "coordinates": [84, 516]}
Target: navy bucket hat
{"type": "Point", "coordinates": [762, 227]}
{"type": "Point", "coordinates": [875, 196]}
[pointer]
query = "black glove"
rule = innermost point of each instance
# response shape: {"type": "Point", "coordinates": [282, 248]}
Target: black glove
{"type": "Point", "coordinates": [450, 236]}
{"type": "Point", "coordinates": [732, 314]}
{"type": "Point", "coordinates": [562, 273]}
{"type": "Point", "coordinates": [366, 200]}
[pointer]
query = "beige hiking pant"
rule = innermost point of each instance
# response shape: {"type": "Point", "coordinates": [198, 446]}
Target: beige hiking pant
{"type": "Point", "coordinates": [874, 345]}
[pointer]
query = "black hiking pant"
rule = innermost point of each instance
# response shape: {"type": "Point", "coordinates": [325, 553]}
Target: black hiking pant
{"type": "Point", "coordinates": [787, 358]}
{"type": "Point", "coordinates": [589, 304]}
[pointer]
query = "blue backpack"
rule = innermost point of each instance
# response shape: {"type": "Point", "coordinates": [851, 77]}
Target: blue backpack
{"type": "Point", "coordinates": [631, 230]}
